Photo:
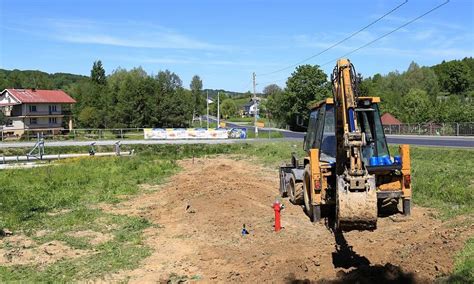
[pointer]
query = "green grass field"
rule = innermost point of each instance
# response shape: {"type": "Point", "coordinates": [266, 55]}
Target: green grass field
{"type": "Point", "coordinates": [61, 199]}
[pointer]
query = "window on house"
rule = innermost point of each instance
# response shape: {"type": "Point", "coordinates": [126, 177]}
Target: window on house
{"type": "Point", "coordinates": [53, 108]}
{"type": "Point", "coordinates": [32, 108]}
{"type": "Point", "coordinates": [53, 120]}
{"type": "Point", "coordinates": [33, 120]}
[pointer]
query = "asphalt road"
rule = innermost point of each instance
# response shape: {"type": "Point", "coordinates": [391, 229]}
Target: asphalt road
{"type": "Point", "coordinates": [440, 141]}
{"type": "Point", "coordinates": [433, 141]}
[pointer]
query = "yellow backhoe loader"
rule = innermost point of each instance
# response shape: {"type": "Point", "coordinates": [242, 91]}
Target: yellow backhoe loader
{"type": "Point", "coordinates": [348, 170]}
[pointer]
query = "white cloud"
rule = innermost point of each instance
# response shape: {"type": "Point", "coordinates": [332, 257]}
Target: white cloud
{"type": "Point", "coordinates": [185, 61]}
{"type": "Point", "coordinates": [152, 40]}
{"type": "Point", "coordinates": [124, 34]}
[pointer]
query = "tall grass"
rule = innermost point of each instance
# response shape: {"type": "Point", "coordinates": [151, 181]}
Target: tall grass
{"type": "Point", "coordinates": [443, 178]}
{"type": "Point", "coordinates": [27, 194]}
{"type": "Point", "coordinates": [464, 265]}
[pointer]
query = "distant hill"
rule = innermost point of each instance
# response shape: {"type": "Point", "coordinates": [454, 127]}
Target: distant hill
{"type": "Point", "coordinates": [26, 79]}
{"type": "Point", "coordinates": [37, 79]}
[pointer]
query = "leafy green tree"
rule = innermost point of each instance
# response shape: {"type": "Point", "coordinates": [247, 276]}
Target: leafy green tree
{"type": "Point", "coordinates": [273, 104]}
{"type": "Point", "coordinates": [228, 108]}
{"type": "Point", "coordinates": [423, 78]}
{"type": "Point", "coordinates": [366, 88]}
{"type": "Point", "coordinates": [454, 76]}
{"type": "Point", "coordinates": [198, 99]}
{"type": "Point", "coordinates": [175, 105]}
{"type": "Point", "coordinates": [98, 73]}
{"type": "Point", "coordinates": [87, 94]}
{"type": "Point", "coordinates": [306, 85]}
{"type": "Point", "coordinates": [417, 107]}
{"type": "Point", "coordinates": [16, 79]}
{"type": "Point", "coordinates": [271, 89]}
{"type": "Point", "coordinates": [454, 109]}
{"type": "Point", "coordinates": [134, 93]}
{"type": "Point", "coordinates": [89, 117]}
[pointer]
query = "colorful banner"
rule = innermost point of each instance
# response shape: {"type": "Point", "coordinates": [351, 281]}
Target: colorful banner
{"type": "Point", "coordinates": [195, 133]}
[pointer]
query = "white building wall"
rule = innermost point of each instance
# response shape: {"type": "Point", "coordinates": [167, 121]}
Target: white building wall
{"type": "Point", "coordinates": [17, 123]}
{"type": "Point", "coordinates": [41, 108]}
{"type": "Point", "coordinates": [43, 122]}
{"type": "Point", "coordinates": [6, 98]}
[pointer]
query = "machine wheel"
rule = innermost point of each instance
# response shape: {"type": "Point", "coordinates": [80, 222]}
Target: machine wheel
{"type": "Point", "coordinates": [406, 207]}
{"type": "Point", "coordinates": [313, 211]}
{"type": "Point", "coordinates": [282, 188]}
{"type": "Point", "coordinates": [295, 191]}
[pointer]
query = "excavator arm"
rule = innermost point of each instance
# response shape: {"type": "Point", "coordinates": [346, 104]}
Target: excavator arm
{"type": "Point", "coordinates": [356, 197]}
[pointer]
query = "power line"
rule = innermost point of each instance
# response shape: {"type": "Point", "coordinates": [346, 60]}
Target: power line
{"type": "Point", "coordinates": [378, 38]}
{"type": "Point", "coordinates": [389, 33]}
{"type": "Point", "coordinates": [337, 43]}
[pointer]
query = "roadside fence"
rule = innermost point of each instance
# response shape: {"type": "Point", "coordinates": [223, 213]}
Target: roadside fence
{"type": "Point", "coordinates": [433, 129]}
{"type": "Point", "coordinates": [89, 134]}
{"type": "Point", "coordinates": [78, 134]}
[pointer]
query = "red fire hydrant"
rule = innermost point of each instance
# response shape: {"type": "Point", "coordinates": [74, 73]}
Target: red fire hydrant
{"type": "Point", "coordinates": [277, 208]}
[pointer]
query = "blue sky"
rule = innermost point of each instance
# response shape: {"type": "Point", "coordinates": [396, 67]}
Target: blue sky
{"type": "Point", "coordinates": [225, 41]}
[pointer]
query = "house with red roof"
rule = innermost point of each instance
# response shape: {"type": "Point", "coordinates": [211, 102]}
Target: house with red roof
{"type": "Point", "coordinates": [389, 119]}
{"type": "Point", "coordinates": [35, 111]}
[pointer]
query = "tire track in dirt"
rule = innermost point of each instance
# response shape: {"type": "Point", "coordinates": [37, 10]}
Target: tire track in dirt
{"type": "Point", "coordinates": [200, 213]}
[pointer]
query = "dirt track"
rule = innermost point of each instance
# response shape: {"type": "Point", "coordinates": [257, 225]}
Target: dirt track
{"type": "Point", "coordinates": [199, 216]}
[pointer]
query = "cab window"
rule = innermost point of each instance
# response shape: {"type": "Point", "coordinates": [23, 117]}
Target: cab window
{"type": "Point", "coordinates": [311, 133]}
{"type": "Point", "coordinates": [328, 143]}
{"type": "Point", "coordinates": [371, 125]}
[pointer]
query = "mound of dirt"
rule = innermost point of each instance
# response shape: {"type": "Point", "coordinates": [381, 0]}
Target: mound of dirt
{"type": "Point", "coordinates": [202, 210]}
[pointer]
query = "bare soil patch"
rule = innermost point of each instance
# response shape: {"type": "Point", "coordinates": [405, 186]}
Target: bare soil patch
{"type": "Point", "coordinates": [199, 216]}
{"type": "Point", "coordinates": [21, 250]}
{"type": "Point", "coordinates": [94, 238]}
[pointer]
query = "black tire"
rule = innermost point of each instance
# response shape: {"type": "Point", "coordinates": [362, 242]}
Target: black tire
{"type": "Point", "coordinates": [295, 191]}
{"type": "Point", "coordinates": [313, 211]}
{"type": "Point", "coordinates": [406, 207]}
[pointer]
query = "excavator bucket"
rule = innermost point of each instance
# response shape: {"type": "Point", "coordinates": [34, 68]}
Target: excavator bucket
{"type": "Point", "coordinates": [356, 210]}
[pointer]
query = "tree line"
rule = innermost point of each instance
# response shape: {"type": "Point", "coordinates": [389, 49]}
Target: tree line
{"type": "Point", "coordinates": [133, 98]}
{"type": "Point", "coordinates": [123, 99]}
{"type": "Point", "coordinates": [127, 98]}
{"type": "Point", "coordinates": [441, 93]}
{"type": "Point", "coordinates": [27, 79]}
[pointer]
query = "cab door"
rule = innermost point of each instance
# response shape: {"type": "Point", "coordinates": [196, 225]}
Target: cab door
{"type": "Point", "coordinates": [315, 126]}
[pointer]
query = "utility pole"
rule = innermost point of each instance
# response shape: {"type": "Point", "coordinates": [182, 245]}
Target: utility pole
{"type": "Point", "coordinates": [218, 113]}
{"type": "Point", "coordinates": [207, 105]}
{"type": "Point", "coordinates": [255, 104]}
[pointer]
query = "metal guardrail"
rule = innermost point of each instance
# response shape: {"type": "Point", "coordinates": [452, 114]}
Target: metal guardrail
{"type": "Point", "coordinates": [432, 129]}
{"type": "Point", "coordinates": [77, 134]}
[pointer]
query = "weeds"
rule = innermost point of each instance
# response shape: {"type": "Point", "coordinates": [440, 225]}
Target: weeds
{"type": "Point", "coordinates": [464, 265]}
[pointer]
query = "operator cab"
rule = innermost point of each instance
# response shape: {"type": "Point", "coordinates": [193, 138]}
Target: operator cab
{"type": "Point", "coordinates": [321, 132]}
